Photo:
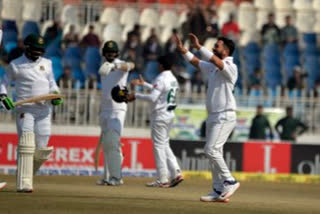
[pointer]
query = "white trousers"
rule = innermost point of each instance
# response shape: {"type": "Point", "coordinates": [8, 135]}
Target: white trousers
{"type": "Point", "coordinates": [112, 125]}
{"type": "Point", "coordinates": [166, 163]}
{"type": "Point", "coordinates": [37, 121]}
{"type": "Point", "coordinates": [218, 128]}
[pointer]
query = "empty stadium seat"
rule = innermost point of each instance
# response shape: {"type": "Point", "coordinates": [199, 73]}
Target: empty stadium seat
{"type": "Point", "coordinates": [273, 75]}
{"type": "Point", "coordinates": [32, 10]}
{"type": "Point", "coordinates": [11, 9]}
{"type": "Point", "coordinates": [282, 4]}
{"type": "Point", "coordinates": [9, 25]}
{"type": "Point", "coordinates": [8, 46]}
{"type": "Point", "coordinates": [168, 19]}
{"type": "Point", "coordinates": [112, 32]}
{"type": "Point", "coordinates": [92, 59]}
{"type": "Point", "coordinates": [224, 11]}
{"type": "Point", "coordinates": [249, 36]}
{"type": "Point", "coordinates": [263, 4]}
{"type": "Point", "coordinates": [69, 14]}
{"type": "Point", "coordinates": [290, 62]}
{"type": "Point", "coordinates": [305, 20]}
{"type": "Point", "coordinates": [125, 31]}
{"type": "Point", "coordinates": [129, 16]}
{"type": "Point", "coordinates": [165, 35]}
{"type": "Point", "coordinates": [53, 50]}
{"type": "Point", "coordinates": [310, 39]}
{"type": "Point", "coordinates": [30, 27]}
{"type": "Point", "coordinates": [316, 5]}
{"type": "Point", "coordinates": [312, 66]}
{"type": "Point", "coordinates": [246, 16]}
{"type": "Point", "coordinates": [251, 54]}
{"type": "Point", "coordinates": [254, 97]}
{"type": "Point", "coordinates": [110, 16]}
{"type": "Point", "coordinates": [302, 4]}
{"type": "Point", "coordinates": [9, 36]}
{"type": "Point", "coordinates": [57, 67]}
{"type": "Point", "coordinates": [182, 17]}
{"type": "Point", "coordinates": [149, 18]}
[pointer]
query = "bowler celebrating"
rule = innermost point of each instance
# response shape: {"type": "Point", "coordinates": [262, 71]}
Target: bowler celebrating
{"type": "Point", "coordinates": [221, 107]}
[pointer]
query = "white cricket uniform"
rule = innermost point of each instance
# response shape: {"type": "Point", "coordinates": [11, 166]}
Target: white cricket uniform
{"type": "Point", "coordinates": [163, 98]}
{"type": "Point", "coordinates": [221, 107]}
{"type": "Point", "coordinates": [112, 118]}
{"type": "Point", "coordinates": [32, 78]}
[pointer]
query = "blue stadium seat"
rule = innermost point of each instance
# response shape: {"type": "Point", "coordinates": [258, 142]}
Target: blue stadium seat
{"type": "Point", "coordinates": [291, 49]}
{"type": "Point", "coordinates": [2, 72]}
{"type": "Point", "coordinates": [312, 66]}
{"type": "Point", "coordinates": [254, 98]}
{"type": "Point", "coordinates": [310, 38]}
{"type": "Point", "coordinates": [9, 25]}
{"type": "Point", "coordinates": [271, 50]}
{"type": "Point", "coordinates": [9, 46]}
{"type": "Point", "coordinates": [72, 52]}
{"type": "Point", "coordinates": [272, 95]}
{"type": "Point", "coordinates": [53, 51]}
{"type": "Point", "coordinates": [290, 62]}
{"type": "Point", "coordinates": [30, 27]}
{"type": "Point", "coordinates": [251, 54]}
{"type": "Point", "coordinates": [9, 36]}
{"type": "Point", "coordinates": [57, 67]}
{"type": "Point", "coordinates": [79, 76]}
{"type": "Point", "coordinates": [151, 71]}
{"type": "Point", "coordinates": [310, 50]}
{"type": "Point", "coordinates": [273, 75]}
{"type": "Point", "coordinates": [92, 60]}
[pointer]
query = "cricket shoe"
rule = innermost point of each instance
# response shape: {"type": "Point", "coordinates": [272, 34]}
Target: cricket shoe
{"type": "Point", "coordinates": [214, 196]}
{"type": "Point", "coordinates": [114, 182]}
{"type": "Point", "coordinates": [25, 190]}
{"type": "Point", "coordinates": [157, 183]}
{"type": "Point", "coordinates": [177, 180]}
{"type": "Point", "coordinates": [2, 185]}
{"type": "Point", "coordinates": [229, 187]}
{"type": "Point", "coordinates": [102, 182]}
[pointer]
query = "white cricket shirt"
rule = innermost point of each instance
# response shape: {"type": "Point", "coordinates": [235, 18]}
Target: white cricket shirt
{"type": "Point", "coordinates": [32, 78]}
{"type": "Point", "coordinates": [163, 96]}
{"type": "Point", "coordinates": [221, 84]}
{"type": "Point", "coordinates": [108, 82]}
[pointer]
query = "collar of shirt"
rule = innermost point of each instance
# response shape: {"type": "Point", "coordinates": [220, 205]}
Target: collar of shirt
{"type": "Point", "coordinates": [29, 60]}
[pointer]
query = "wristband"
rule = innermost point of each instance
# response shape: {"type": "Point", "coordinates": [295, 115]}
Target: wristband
{"type": "Point", "coordinates": [206, 54]}
{"type": "Point", "coordinates": [188, 56]}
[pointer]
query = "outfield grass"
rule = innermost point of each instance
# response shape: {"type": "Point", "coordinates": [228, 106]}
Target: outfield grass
{"type": "Point", "coordinates": [79, 195]}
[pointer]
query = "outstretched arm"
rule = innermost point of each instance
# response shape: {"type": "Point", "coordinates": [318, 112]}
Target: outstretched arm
{"type": "Point", "coordinates": [195, 61]}
{"type": "Point", "coordinates": [208, 55]}
{"type": "Point", "coordinates": [141, 82]}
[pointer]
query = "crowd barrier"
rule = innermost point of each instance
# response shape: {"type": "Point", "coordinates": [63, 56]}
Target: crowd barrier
{"type": "Point", "coordinates": [74, 155]}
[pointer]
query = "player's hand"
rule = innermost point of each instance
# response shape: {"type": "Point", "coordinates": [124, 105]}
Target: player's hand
{"type": "Point", "coordinates": [131, 97]}
{"type": "Point", "coordinates": [194, 41]}
{"type": "Point", "coordinates": [179, 44]}
{"type": "Point", "coordinates": [139, 81]}
{"type": "Point", "coordinates": [57, 101]}
{"type": "Point", "coordinates": [6, 102]}
{"type": "Point", "coordinates": [107, 68]}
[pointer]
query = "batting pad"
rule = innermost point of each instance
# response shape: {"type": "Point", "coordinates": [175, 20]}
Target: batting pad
{"type": "Point", "coordinates": [26, 149]}
{"type": "Point", "coordinates": [40, 156]}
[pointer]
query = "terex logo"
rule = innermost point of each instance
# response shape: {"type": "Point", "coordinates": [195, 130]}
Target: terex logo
{"type": "Point", "coordinates": [266, 157]}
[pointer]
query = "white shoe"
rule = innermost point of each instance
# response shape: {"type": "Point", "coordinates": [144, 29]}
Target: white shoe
{"type": "Point", "coordinates": [229, 187]}
{"type": "Point", "coordinates": [157, 183]}
{"type": "Point", "coordinates": [213, 197]}
{"type": "Point", "coordinates": [102, 182]}
{"type": "Point", "coordinates": [114, 182]}
{"type": "Point", "coordinates": [178, 179]}
{"type": "Point", "coordinates": [3, 185]}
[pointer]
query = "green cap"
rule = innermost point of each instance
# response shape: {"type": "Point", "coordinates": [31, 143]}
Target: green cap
{"type": "Point", "coordinates": [34, 40]}
{"type": "Point", "coordinates": [110, 47]}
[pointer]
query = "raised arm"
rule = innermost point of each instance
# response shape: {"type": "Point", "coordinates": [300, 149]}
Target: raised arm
{"type": "Point", "coordinates": [141, 82]}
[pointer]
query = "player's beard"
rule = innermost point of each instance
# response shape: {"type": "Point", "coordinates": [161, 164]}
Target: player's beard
{"type": "Point", "coordinates": [219, 55]}
{"type": "Point", "coordinates": [111, 57]}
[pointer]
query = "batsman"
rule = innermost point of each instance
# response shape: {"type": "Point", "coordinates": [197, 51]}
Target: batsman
{"type": "Point", "coordinates": [33, 76]}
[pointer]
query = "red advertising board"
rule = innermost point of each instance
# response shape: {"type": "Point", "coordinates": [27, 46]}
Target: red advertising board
{"type": "Point", "coordinates": [75, 155]}
{"type": "Point", "coordinates": [267, 157]}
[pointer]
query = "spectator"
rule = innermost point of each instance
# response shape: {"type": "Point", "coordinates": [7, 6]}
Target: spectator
{"type": "Point", "coordinates": [186, 28]}
{"type": "Point", "coordinates": [132, 56]}
{"type": "Point", "coordinates": [259, 125]}
{"type": "Point", "coordinates": [198, 22]}
{"type": "Point", "coordinates": [71, 38]}
{"type": "Point", "coordinates": [66, 78]}
{"type": "Point", "coordinates": [171, 48]}
{"type": "Point", "coordinates": [296, 81]}
{"type": "Point", "coordinates": [197, 82]}
{"type": "Point", "coordinates": [133, 44]}
{"type": "Point", "coordinates": [213, 26]}
{"type": "Point", "coordinates": [17, 51]}
{"type": "Point", "coordinates": [255, 80]}
{"type": "Point", "coordinates": [231, 29]}
{"type": "Point", "coordinates": [289, 33]}
{"type": "Point", "coordinates": [52, 33]}
{"type": "Point", "coordinates": [270, 32]}
{"type": "Point", "coordinates": [152, 48]}
{"type": "Point", "coordinates": [91, 39]}
{"type": "Point", "coordinates": [135, 31]}
{"type": "Point", "coordinates": [290, 126]}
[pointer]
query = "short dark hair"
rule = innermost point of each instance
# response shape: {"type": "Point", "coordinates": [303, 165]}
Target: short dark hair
{"type": "Point", "coordinates": [167, 61]}
{"type": "Point", "coordinates": [228, 43]}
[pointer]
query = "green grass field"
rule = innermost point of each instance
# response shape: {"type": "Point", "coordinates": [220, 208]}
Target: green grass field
{"type": "Point", "coordinates": [79, 195]}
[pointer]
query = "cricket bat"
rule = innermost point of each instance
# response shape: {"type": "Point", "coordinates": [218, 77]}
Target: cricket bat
{"type": "Point", "coordinates": [39, 98]}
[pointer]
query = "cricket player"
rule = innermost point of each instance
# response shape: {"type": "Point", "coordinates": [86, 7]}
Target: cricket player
{"type": "Point", "coordinates": [33, 76]}
{"type": "Point", "coordinates": [163, 99]}
{"type": "Point", "coordinates": [114, 74]}
{"type": "Point", "coordinates": [221, 107]}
